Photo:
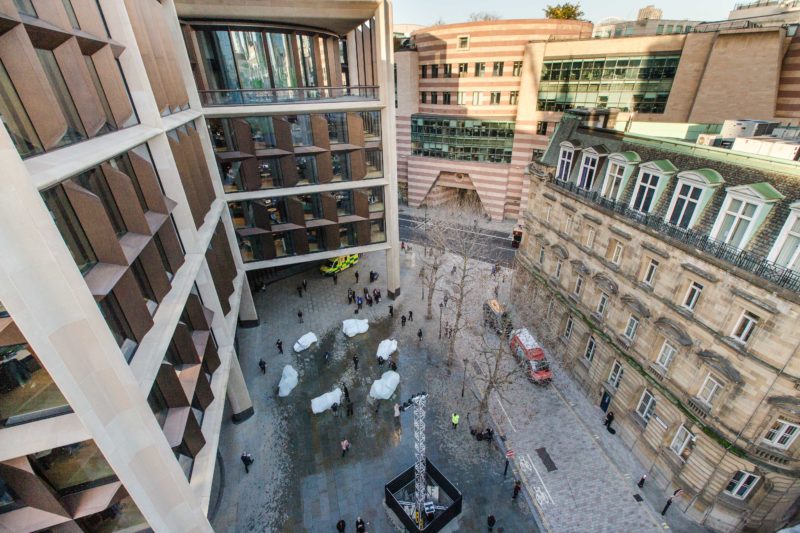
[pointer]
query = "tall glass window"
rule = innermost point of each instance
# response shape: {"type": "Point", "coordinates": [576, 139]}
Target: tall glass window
{"type": "Point", "coordinates": [75, 131]}
{"type": "Point", "coordinates": [70, 228]}
{"type": "Point", "coordinates": [341, 166]}
{"type": "Point", "coordinates": [219, 64]}
{"type": "Point", "coordinates": [251, 61]}
{"type": "Point", "coordinates": [344, 203]}
{"type": "Point", "coordinates": [95, 182]}
{"type": "Point", "coordinates": [301, 130]}
{"type": "Point", "coordinates": [263, 132]}
{"type": "Point", "coordinates": [305, 44]}
{"type": "Point", "coordinates": [337, 127]}
{"type": "Point", "coordinates": [27, 392]}
{"type": "Point", "coordinates": [280, 53]}
{"type": "Point", "coordinates": [645, 192]}
{"type": "Point", "coordinates": [17, 122]}
{"type": "Point", "coordinates": [685, 205]}
{"type": "Point", "coordinates": [306, 169]}
{"type": "Point", "coordinates": [462, 139]}
{"type": "Point", "coordinates": [736, 221]}
{"type": "Point", "coordinates": [270, 172]}
{"type": "Point", "coordinates": [73, 467]}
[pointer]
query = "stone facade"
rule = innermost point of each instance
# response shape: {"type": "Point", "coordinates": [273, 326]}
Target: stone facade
{"type": "Point", "coordinates": [648, 323]}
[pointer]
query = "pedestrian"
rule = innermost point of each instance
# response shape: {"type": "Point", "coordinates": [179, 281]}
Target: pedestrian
{"type": "Point", "coordinates": [360, 302]}
{"type": "Point", "coordinates": [300, 291]}
{"type": "Point", "coordinates": [642, 479]}
{"type": "Point", "coordinates": [380, 295]}
{"type": "Point", "coordinates": [496, 291]}
{"type": "Point", "coordinates": [349, 298]}
{"type": "Point", "coordinates": [397, 412]}
{"type": "Point", "coordinates": [391, 311]}
{"type": "Point", "coordinates": [300, 316]}
{"type": "Point", "coordinates": [445, 299]}
{"type": "Point", "coordinates": [369, 299]}
{"type": "Point", "coordinates": [491, 522]}
{"type": "Point", "coordinates": [345, 446]}
{"type": "Point", "coordinates": [381, 360]}
{"type": "Point", "coordinates": [247, 460]}
{"type": "Point", "coordinates": [419, 334]}
{"type": "Point", "coordinates": [335, 278]}
{"type": "Point", "coordinates": [279, 344]}
{"type": "Point", "coordinates": [305, 285]}
{"type": "Point", "coordinates": [411, 316]}
{"type": "Point", "coordinates": [327, 357]}
{"type": "Point", "coordinates": [393, 366]}
{"type": "Point", "coordinates": [403, 320]}
{"type": "Point", "coordinates": [340, 525]}
{"type": "Point", "coordinates": [355, 362]}
{"type": "Point", "coordinates": [517, 489]}
{"type": "Point", "coordinates": [335, 409]}
{"type": "Point", "coordinates": [454, 418]}
{"type": "Point", "coordinates": [346, 392]}
{"type": "Point", "coordinates": [360, 526]}
{"type": "Point", "coordinates": [356, 273]}
{"type": "Point", "coordinates": [609, 419]}
{"type": "Point", "coordinates": [376, 295]}
{"type": "Point", "coordinates": [349, 407]}
{"type": "Point", "coordinates": [262, 365]}
{"type": "Point", "coordinates": [453, 272]}
{"type": "Point", "coordinates": [402, 246]}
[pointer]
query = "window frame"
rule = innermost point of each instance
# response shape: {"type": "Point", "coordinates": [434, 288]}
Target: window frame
{"type": "Point", "coordinates": [541, 255]}
{"type": "Point", "coordinates": [783, 425]}
{"type": "Point", "coordinates": [588, 171]}
{"type": "Point", "coordinates": [591, 233]}
{"type": "Point", "coordinates": [694, 181]}
{"type": "Point", "coordinates": [566, 149]}
{"type": "Point", "coordinates": [497, 68]}
{"type": "Point", "coordinates": [744, 194]}
{"type": "Point", "coordinates": [615, 376]}
{"type": "Point", "coordinates": [687, 298]}
{"type": "Point", "coordinates": [557, 273]}
{"type": "Point", "coordinates": [602, 304]}
{"type": "Point", "coordinates": [619, 163]}
{"type": "Point", "coordinates": [688, 437]}
{"type": "Point", "coordinates": [649, 406]}
{"type": "Point", "coordinates": [591, 349]}
{"type": "Point", "coordinates": [494, 97]}
{"type": "Point", "coordinates": [632, 329]}
{"type": "Point", "coordinates": [649, 277]}
{"type": "Point", "coordinates": [616, 254]}
{"type": "Point", "coordinates": [783, 236]}
{"type": "Point", "coordinates": [746, 480]}
{"type": "Point", "coordinates": [640, 184]}
{"type": "Point", "coordinates": [568, 328]}
{"type": "Point", "coordinates": [716, 387]}
{"type": "Point", "coordinates": [747, 323]}
{"type": "Point", "coordinates": [578, 286]}
{"type": "Point", "coordinates": [459, 42]}
{"type": "Point", "coordinates": [663, 361]}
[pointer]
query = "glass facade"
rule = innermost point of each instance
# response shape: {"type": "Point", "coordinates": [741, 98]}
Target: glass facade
{"type": "Point", "coordinates": [73, 468]}
{"type": "Point", "coordinates": [641, 83]}
{"type": "Point", "coordinates": [462, 139]}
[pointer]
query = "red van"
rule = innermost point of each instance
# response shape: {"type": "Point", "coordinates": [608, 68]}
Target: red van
{"type": "Point", "coordinates": [531, 356]}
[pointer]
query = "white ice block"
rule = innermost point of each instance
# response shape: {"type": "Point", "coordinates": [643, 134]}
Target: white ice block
{"type": "Point", "coordinates": [354, 326]}
{"type": "Point", "coordinates": [386, 348]}
{"type": "Point", "coordinates": [324, 402]}
{"type": "Point", "coordinates": [288, 381]}
{"type": "Point", "coordinates": [304, 342]}
{"type": "Point", "coordinates": [382, 389]}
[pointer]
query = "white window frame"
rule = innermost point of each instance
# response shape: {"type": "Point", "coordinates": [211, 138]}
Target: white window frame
{"type": "Point", "coordinates": [680, 441]}
{"type": "Point", "coordinates": [566, 157]}
{"type": "Point", "coordinates": [557, 273]}
{"type": "Point", "coordinates": [694, 181]}
{"type": "Point", "coordinates": [745, 326]}
{"type": "Point", "coordinates": [650, 272]}
{"type": "Point", "coordinates": [590, 235]}
{"type": "Point", "coordinates": [615, 377]}
{"type": "Point", "coordinates": [650, 185]}
{"type": "Point", "coordinates": [615, 174]}
{"type": "Point", "coordinates": [460, 97]}
{"type": "Point", "coordinates": [744, 194]}
{"type": "Point", "coordinates": [666, 355]}
{"type": "Point", "coordinates": [568, 328]}
{"type": "Point", "coordinates": [714, 388]}
{"type": "Point", "coordinates": [646, 406]}
{"type": "Point", "coordinates": [780, 429]}
{"type": "Point", "coordinates": [588, 171]}
{"type": "Point", "coordinates": [602, 304]}
{"type": "Point", "coordinates": [458, 42]}
{"type": "Point", "coordinates": [739, 218]}
{"type": "Point", "coordinates": [783, 236]}
{"type": "Point", "coordinates": [578, 286]}
{"type": "Point", "coordinates": [591, 348]}
{"type": "Point", "coordinates": [631, 328]}
{"type": "Point", "coordinates": [616, 256]}
{"type": "Point", "coordinates": [692, 296]}
{"type": "Point", "coordinates": [476, 98]}
{"type": "Point", "coordinates": [746, 481]}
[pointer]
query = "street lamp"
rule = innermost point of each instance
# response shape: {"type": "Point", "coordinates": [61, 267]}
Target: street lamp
{"type": "Point", "coordinates": [441, 306]}
{"type": "Point", "coordinates": [464, 379]}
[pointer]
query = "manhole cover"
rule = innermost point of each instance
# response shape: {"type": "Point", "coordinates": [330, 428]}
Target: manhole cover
{"type": "Point", "coordinates": [637, 498]}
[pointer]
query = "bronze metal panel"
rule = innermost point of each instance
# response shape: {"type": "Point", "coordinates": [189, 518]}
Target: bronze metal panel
{"type": "Point", "coordinates": [260, 215]}
{"type": "Point", "coordinates": [193, 50]}
{"type": "Point", "coordinates": [66, 527]}
{"type": "Point", "coordinates": [184, 344]}
{"type": "Point", "coordinates": [334, 67]}
{"type": "Point", "coordinates": [113, 85]}
{"type": "Point", "coordinates": [195, 205]}
{"type": "Point", "coordinates": [196, 312]}
{"type": "Point", "coordinates": [175, 424]}
{"type": "Point", "coordinates": [211, 360]}
{"type": "Point", "coordinates": [188, 376]}
{"type": "Point", "coordinates": [355, 129]}
{"type": "Point", "coordinates": [361, 203]}
{"type": "Point", "coordinates": [170, 387]}
{"type": "Point", "coordinates": [53, 12]}
{"type": "Point", "coordinates": [203, 173]}
{"type": "Point", "coordinates": [172, 245]}
{"type": "Point", "coordinates": [250, 174]}
{"type": "Point", "coordinates": [125, 197]}
{"type": "Point", "coordinates": [154, 270]}
{"type": "Point", "coordinates": [76, 75]}
{"type": "Point", "coordinates": [243, 135]}
{"type": "Point", "coordinates": [139, 21]}
{"type": "Point", "coordinates": [10, 333]}
{"type": "Point", "coordinates": [37, 97]}
{"type": "Point", "coordinates": [319, 132]}
{"type": "Point", "coordinates": [331, 236]}
{"type": "Point", "coordinates": [267, 243]}
{"type": "Point", "coordinates": [324, 167]}
{"type": "Point", "coordinates": [148, 182]}
{"type": "Point", "coordinates": [289, 176]}
{"type": "Point", "coordinates": [283, 134]}
{"type": "Point", "coordinates": [89, 17]}
{"type": "Point", "coordinates": [317, 44]}
{"type": "Point", "coordinates": [369, 46]}
{"type": "Point", "coordinates": [170, 72]}
{"type": "Point", "coordinates": [30, 488]}
{"type": "Point", "coordinates": [133, 306]}
{"type": "Point", "coordinates": [328, 207]}
{"type": "Point", "coordinates": [96, 224]}
{"type": "Point", "coordinates": [362, 232]}
{"type": "Point", "coordinates": [358, 164]}
{"type": "Point", "coordinates": [193, 440]}
{"type": "Point", "coordinates": [202, 393]}
{"type": "Point", "coordinates": [294, 210]}
{"type": "Point", "coordinates": [300, 241]}
{"type": "Point", "coordinates": [91, 500]}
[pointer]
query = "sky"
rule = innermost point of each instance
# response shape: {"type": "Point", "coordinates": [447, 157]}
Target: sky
{"type": "Point", "coordinates": [426, 12]}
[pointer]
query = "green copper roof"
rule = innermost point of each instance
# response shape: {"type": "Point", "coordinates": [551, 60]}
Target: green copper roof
{"type": "Point", "coordinates": [665, 165]}
{"type": "Point", "coordinates": [713, 177]}
{"type": "Point", "coordinates": [631, 157]}
{"type": "Point", "coordinates": [766, 190]}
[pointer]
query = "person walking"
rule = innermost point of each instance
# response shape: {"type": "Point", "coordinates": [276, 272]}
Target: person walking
{"type": "Point", "coordinates": [262, 365]}
{"type": "Point", "coordinates": [340, 526]}
{"type": "Point", "coordinates": [300, 316]}
{"type": "Point", "coordinates": [345, 446]}
{"type": "Point", "coordinates": [247, 460]}
{"type": "Point", "coordinates": [517, 489]}
{"type": "Point", "coordinates": [419, 335]}
{"type": "Point", "coordinates": [360, 302]}
{"type": "Point", "coordinates": [349, 407]}
{"type": "Point", "coordinates": [609, 420]}
{"type": "Point", "coordinates": [446, 297]}
{"type": "Point", "coordinates": [356, 274]}
{"type": "Point", "coordinates": [355, 362]}
{"type": "Point", "coordinates": [491, 522]}
{"type": "Point", "coordinates": [335, 409]}
{"type": "Point", "coordinates": [403, 320]}
{"type": "Point", "coordinates": [300, 291]}
{"type": "Point", "coordinates": [327, 357]}
{"type": "Point", "coordinates": [411, 316]}
{"type": "Point", "coordinates": [335, 278]}
{"type": "Point", "coordinates": [454, 418]}
{"type": "Point", "coordinates": [349, 296]}
{"type": "Point", "coordinates": [361, 527]}
{"type": "Point", "coordinates": [403, 246]}
{"type": "Point", "coordinates": [279, 344]}
{"type": "Point", "coordinates": [391, 311]}
{"type": "Point", "coordinates": [397, 412]}
{"type": "Point", "coordinates": [392, 366]}
{"type": "Point", "coordinates": [305, 285]}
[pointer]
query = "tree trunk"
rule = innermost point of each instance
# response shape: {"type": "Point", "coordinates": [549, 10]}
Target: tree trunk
{"type": "Point", "coordinates": [459, 304]}
{"type": "Point", "coordinates": [431, 288]}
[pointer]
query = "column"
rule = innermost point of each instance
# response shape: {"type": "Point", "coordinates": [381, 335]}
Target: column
{"type": "Point", "coordinates": [241, 404]}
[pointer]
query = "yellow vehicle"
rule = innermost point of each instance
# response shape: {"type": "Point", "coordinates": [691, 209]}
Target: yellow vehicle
{"type": "Point", "coordinates": [337, 264]}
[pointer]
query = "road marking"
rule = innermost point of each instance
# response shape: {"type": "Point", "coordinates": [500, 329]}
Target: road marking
{"type": "Point", "coordinates": [550, 497]}
{"type": "Point", "coordinates": [504, 412]}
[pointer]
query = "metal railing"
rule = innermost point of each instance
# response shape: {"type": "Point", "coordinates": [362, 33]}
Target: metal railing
{"type": "Point", "coordinates": [287, 95]}
{"type": "Point", "coordinates": [746, 260]}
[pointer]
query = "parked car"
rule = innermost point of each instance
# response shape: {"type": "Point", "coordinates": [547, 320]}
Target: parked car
{"type": "Point", "coordinates": [337, 264]}
{"type": "Point", "coordinates": [531, 356]}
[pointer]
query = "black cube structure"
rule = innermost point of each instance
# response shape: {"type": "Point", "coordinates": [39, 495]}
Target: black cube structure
{"type": "Point", "coordinates": [443, 505]}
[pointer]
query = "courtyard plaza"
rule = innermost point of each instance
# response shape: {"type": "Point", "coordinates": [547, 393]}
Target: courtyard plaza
{"type": "Point", "coordinates": [583, 480]}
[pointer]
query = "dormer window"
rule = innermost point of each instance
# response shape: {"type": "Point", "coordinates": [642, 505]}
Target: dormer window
{"type": "Point", "coordinates": [565, 158]}
{"type": "Point", "coordinates": [617, 173]}
{"type": "Point", "coordinates": [651, 182]}
{"type": "Point", "coordinates": [743, 211]}
{"type": "Point", "coordinates": [588, 171]}
{"type": "Point", "coordinates": [692, 193]}
{"type": "Point", "coordinates": [786, 251]}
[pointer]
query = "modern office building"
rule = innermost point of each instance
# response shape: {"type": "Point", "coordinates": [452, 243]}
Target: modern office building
{"type": "Point", "coordinates": [121, 276]}
{"type": "Point", "coordinates": [767, 12]}
{"type": "Point", "coordinates": [649, 21]}
{"type": "Point", "coordinates": [668, 279]}
{"type": "Point", "coordinates": [473, 124]}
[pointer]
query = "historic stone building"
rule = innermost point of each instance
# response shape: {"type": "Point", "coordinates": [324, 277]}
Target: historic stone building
{"type": "Point", "coordinates": [667, 275]}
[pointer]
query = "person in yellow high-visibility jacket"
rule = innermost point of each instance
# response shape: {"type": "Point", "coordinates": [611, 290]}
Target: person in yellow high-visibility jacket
{"type": "Point", "coordinates": [454, 419]}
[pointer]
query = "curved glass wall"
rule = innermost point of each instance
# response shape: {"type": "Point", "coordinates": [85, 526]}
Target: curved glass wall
{"type": "Point", "coordinates": [462, 139]}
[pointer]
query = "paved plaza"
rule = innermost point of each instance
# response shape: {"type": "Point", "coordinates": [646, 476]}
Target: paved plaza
{"type": "Point", "coordinates": [300, 482]}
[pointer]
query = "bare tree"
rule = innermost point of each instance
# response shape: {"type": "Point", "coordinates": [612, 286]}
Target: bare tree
{"type": "Point", "coordinates": [481, 16]}
{"type": "Point", "coordinates": [438, 22]}
{"type": "Point", "coordinates": [432, 260]}
{"type": "Point", "coordinates": [534, 306]}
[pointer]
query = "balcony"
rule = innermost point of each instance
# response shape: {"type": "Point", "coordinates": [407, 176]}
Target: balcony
{"type": "Point", "coordinates": [698, 406]}
{"type": "Point", "coordinates": [229, 97]}
{"type": "Point", "coordinates": [748, 261]}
